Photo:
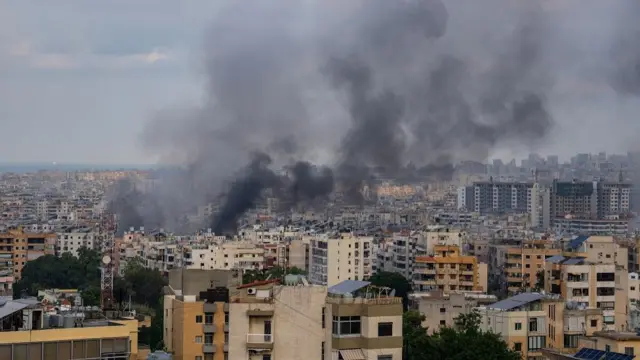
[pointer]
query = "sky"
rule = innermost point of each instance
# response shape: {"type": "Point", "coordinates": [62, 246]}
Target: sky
{"type": "Point", "coordinates": [80, 78]}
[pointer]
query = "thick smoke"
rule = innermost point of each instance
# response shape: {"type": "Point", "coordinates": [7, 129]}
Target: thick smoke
{"type": "Point", "coordinates": [133, 207]}
{"type": "Point", "coordinates": [366, 89]}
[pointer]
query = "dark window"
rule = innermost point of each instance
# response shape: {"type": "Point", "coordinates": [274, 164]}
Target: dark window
{"type": "Point", "coordinates": [346, 325]}
{"type": "Point", "coordinates": [323, 322]}
{"type": "Point", "coordinates": [385, 357]}
{"type": "Point", "coordinates": [517, 346]}
{"type": "Point", "coordinates": [208, 338]}
{"type": "Point", "coordinates": [518, 326]}
{"type": "Point", "coordinates": [594, 323]}
{"type": "Point", "coordinates": [571, 341]}
{"type": "Point", "coordinates": [533, 324]}
{"type": "Point", "coordinates": [208, 318]}
{"type": "Point", "coordinates": [385, 329]}
{"type": "Point", "coordinates": [198, 319]}
{"type": "Point", "coordinates": [443, 323]}
{"type": "Point", "coordinates": [266, 356]}
{"type": "Point", "coordinates": [628, 351]}
{"type": "Point", "coordinates": [442, 310]}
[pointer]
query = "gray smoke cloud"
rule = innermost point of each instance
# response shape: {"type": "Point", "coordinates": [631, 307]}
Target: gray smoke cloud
{"type": "Point", "coordinates": [365, 90]}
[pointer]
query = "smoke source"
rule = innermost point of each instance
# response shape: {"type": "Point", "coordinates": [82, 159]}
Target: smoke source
{"type": "Point", "coordinates": [363, 89]}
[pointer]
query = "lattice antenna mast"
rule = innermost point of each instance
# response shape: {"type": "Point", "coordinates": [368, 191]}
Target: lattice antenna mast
{"type": "Point", "coordinates": [107, 245]}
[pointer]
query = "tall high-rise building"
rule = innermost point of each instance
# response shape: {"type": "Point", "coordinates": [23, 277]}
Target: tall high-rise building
{"type": "Point", "coordinates": [495, 197]}
{"type": "Point", "coordinates": [335, 258]}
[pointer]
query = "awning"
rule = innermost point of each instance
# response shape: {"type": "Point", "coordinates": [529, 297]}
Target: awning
{"type": "Point", "coordinates": [352, 354]}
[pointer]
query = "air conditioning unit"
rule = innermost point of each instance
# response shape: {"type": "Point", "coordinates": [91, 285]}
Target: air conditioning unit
{"type": "Point", "coordinates": [252, 291]}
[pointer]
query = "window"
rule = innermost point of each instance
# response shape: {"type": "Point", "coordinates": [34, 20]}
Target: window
{"type": "Point", "coordinates": [518, 326]}
{"type": "Point", "coordinates": [607, 348]}
{"type": "Point", "coordinates": [517, 346]}
{"type": "Point", "coordinates": [266, 356]}
{"type": "Point", "coordinates": [385, 357]}
{"type": "Point", "coordinates": [226, 318]}
{"type": "Point", "coordinates": [571, 341]}
{"type": "Point", "coordinates": [198, 339]}
{"type": "Point", "coordinates": [628, 351]}
{"type": "Point", "coordinates": [208, 338]}
{"type": "Point", "coordinates": [533, 324]}
{"type": "Point", "coordinates": [594, 323]}
{"type": "Point", "coordinates": [198, 357]}
{"type": "Point", "coordinates": [208, 318]}
{"type": "Point", "coordinates": [385, 329]}
{"type": "Point", "coordinates": [323, 322]}
{"type": "Point", "coordinates": [322, 350]}
{"type": "Point", "coordinates": [443, 310]}
{"type": "Point", "coordinates": [536, 342]}
{"type": "Point", "coordinates": [346, 325]}
{"type": "Point", "coordinates": [226, 338]}
{"type": "Point", "coordinates": [198, 319]}
{"type": "Point", "coordinates": [443, 322]}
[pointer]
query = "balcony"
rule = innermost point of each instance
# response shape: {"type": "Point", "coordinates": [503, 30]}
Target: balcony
{"type": "Point", "coordinates": [260, 312]}
{"type": "Point", "coordinates": [260, 341]}
{"type": "Point", "coordinates": [209, 348]}
{"type": "Point", "coordinates": [210, 328]}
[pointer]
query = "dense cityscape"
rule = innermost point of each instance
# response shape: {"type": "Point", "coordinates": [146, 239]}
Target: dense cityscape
{"type": "Point", "coordinates": [358, 180]}
{"type": "Point", "coordinates": [545, 253]}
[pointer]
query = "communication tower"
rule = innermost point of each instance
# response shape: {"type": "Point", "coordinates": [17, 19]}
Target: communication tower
{"type": "Point", "coordinates": [107, 237]}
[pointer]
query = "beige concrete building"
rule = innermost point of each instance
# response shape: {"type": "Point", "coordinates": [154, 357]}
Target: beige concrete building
{"type": "Point", "coordinates": [277, 322]}
{"type": "Point", "coordinates": [224, 256]}
{"type": "Point", "coordinates": [522, 322]}
{"type": "Point", "coordinates": [449, 271]}
{"type": "Point", "coordinates": [591, 286]}
{"type": "Point", "coordinates": [338, 257]}
{"type": "Point", "coordinates": [441, 309]}
{"type": "Point", "coordinates": [366, 323]}
{"type": "Point", "coordinates": [568, 323]}
{"type": "Point", "coordinates": [613, 341]}
{"type": "Point", "coordinates": [599, 249]}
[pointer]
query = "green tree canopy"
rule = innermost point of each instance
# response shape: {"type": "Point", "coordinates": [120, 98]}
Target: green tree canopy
{"type": "Point", "coordinates": [395, 281]}
{"type": "Point", "coordinates": [463, 341]}
{"type": "Point", "coordinates": [64, 272]}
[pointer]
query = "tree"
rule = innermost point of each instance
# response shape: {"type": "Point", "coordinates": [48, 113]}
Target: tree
{"type": "Point", "coordinates": [64, 272]}
{"type": "Point", "coordinates": [464, 341]}
{"type": "Point", "coordinates": [142, 284]}
{"type": "Point", "coordinates": [540, 280]}
{"type": "Point", "coordinates": [394, 281]}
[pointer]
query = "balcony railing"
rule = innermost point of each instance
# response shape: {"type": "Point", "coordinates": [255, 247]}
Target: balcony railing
{"type": "Point", "coordinates": [259, 338]}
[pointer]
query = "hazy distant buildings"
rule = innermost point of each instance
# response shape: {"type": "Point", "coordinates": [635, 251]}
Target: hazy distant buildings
{"type": "Point", "coordinates": [495, 197]}
{"type": "Point", "coordinates": [589, 207]}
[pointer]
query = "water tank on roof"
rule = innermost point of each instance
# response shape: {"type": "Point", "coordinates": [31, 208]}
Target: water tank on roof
{"type": "Point", "coordinates": [291, 280]}
{"type": "Point", "coordinates": [69, 321]}
{"type": "Point", "coordinates": [56, 321]}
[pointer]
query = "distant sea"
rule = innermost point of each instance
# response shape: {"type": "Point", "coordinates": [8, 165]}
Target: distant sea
{"type": "Point", "coordinates": [34, 167]}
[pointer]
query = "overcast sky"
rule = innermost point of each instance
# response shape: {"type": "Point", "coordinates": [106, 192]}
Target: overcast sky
{"type": "Point", "coordinates": [78, 79]}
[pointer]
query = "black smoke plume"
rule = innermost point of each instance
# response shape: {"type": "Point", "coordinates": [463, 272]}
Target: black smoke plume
{"type": "Point", "coordinates": [365, 89]}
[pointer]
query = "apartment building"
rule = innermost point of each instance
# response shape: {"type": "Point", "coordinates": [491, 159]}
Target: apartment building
{"type": "Point", "coordinates": [624, 344]}
{"type": "Point", "coordinates": [449, 271]}
{"type": "Point", "coordinates": [568, 323]}
{"type": "Point", "coordinates": [441, 309]}
{"type": "Point", "coordinates": [521, 321]}
{"type": "Point", "coordinates": [366, 323]}
{"type": "Point", "coordinates": [591, 286]}
{"type": "Point", "coordinates": [522, 263]}
{"type": "Point", "coordinates": [224, 255]}
{"type": "Point", "coordinates": [496, 197]}
{"type": "Point", "coordinates": [25, 333]}
{"type": "Point", "coordinates": [24, 247]}
{"type": "Point", "coordinates": [72, 240]}
{"type": "Point", "coordinates": [599, 249]}
{"type": "Point", "coordinates": [338, 257]}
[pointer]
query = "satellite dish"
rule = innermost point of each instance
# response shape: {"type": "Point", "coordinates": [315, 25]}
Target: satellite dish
{"type": "Point", "coordinates": [106, 260]}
